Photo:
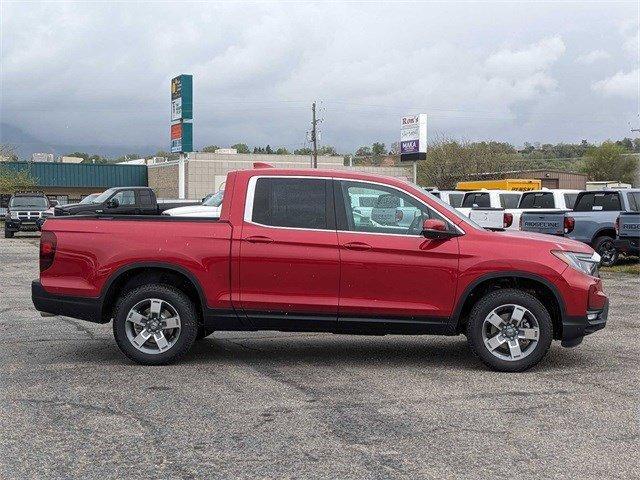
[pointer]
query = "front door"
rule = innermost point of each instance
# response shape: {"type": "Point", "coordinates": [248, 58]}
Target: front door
{"type": "Point", "coordinates": [289, 262]}
{"type": "Point", "coordinates": [392, 278]}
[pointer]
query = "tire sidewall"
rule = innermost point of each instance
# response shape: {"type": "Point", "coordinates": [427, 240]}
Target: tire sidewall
{"type": "Point", "coordinates": [188, 323]}
{"type": "Point", "coordinates": [503, 297]}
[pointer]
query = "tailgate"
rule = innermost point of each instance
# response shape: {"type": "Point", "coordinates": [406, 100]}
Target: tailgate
{"type": "Point", "coordinates": [629, 225]}
{"type": "Point", "coordinates": [551, 223]}
{"type": "Point", "coordinates": [490, 218]}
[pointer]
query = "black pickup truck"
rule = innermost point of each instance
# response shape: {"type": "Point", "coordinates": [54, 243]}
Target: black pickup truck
{"type": "Point", "coordinates": [121, 201]}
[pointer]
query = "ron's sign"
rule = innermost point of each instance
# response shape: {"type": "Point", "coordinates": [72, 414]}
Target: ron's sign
{"type": "Point", "coordinates": [413, 138]}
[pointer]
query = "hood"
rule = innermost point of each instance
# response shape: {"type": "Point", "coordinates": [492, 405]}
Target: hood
{"type": "Point", "coordinates": [72, 208]}
{"type": "Point", "coordinates": [551, 242]}
{"type": "Point", "coordinates": [194, 210]}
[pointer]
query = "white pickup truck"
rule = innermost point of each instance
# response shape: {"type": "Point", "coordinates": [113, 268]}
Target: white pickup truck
{"type": "Point", "coordinates": [452, 197]}
{"type": "Point", "coordinates": [491, 208]}
{"type": "Point", "coordinates": [209, 208]}
{"type": "Point", "coordinates": [545, 199]}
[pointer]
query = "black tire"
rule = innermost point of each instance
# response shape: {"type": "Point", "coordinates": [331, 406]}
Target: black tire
{"type": "Point", "coordinates": [178, 300]}
{"type": "Point", "coordinates": [606, 248]}
{"type": "Point", "coordinates": [8, 234]}
{"type": "Point", "coordinates": [494, 300]}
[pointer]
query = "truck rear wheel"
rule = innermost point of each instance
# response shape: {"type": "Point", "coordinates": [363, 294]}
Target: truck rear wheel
{"type": "Point", "coordinates": [155, 324]}
{"type": "Point", "coordinates": [8, 233]}
{"type": "Point", "coordinates": [510, 330]}
{"type": "Point", "coordinates": [606, 248]}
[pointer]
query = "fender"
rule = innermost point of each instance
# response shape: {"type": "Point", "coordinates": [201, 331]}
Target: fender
{"type": "Point", "coordinates": [455, 317]}
{"type": "Point", "coordinates": [600, 231]}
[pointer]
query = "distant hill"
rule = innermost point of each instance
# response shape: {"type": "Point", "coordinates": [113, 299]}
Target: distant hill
{"type": "Point", "coordinates": [26, 144]}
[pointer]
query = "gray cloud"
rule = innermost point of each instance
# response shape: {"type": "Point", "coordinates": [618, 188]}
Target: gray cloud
{"type": "Point", "coordinates": [99, 73]}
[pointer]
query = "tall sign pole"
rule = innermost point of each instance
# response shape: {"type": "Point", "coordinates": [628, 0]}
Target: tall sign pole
{"type": "Point", "coordinates": [413, 141]}
{"type": "Point", "coordinates": [314, 135]}
{"type": "Point", "coordinates": [182, 114]}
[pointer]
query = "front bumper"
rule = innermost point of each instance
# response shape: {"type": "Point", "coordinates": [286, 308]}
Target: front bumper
{"type": "Point", "coordinates": [13, 225]}
{"type": "Point", "coordinates": [83, 308]}
{"type": "Point", "coordinates": [575, 328]}
{"type": "Point", "coordinates": [628, 246]}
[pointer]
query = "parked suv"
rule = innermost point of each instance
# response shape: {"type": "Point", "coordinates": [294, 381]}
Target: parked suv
{"type": "Point", "coordinates": [25, 212]}
{"type": "Point", "coordinates": [290, 253]}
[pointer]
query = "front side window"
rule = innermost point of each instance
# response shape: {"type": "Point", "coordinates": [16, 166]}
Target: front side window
{"type": "Point", "coordinates": [392, 212]}
{"type": "Point", "coordinates": [290, 202]}
{"type": "Point", "coordinates": [125, 197]}
{"type": "Point", "coordinates": [509, 200]}
{"type": "Point", "coordinates": [473, 199]}
{"type": "Point", "coordinates": [537, 200]}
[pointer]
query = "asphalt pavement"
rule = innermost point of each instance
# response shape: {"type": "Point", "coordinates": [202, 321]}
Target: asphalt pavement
{"type": "Point", "coordinates": [283, 405]}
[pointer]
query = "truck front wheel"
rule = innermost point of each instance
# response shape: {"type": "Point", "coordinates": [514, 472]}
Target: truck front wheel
{"type": "Point", "coordinates": [8, 233]}
{"type": "Point", "coordinates": [155, 324]}
{"type": "Point", "coordinates": [606, 248]}
{"type": "Point", "coordinates": [510, 330]}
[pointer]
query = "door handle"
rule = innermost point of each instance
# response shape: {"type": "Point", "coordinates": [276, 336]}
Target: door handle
{"type": "Point", "coordinates": [359, 246]}
{"type": "Point", "coordinates": [259, 239]}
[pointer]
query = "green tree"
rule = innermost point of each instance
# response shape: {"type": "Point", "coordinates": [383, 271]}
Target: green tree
{"type": "Point", "coordinates": [364, 151]}
{"type": "Point", "coordinates": [241, 147]}
{"type": "Point", "coordinates": [327, 150]}
{"type": "Point", "coordinates": [282, 151]}
{"type": "Point", "coordinates": [378, 149]}
{"type": "Point", "coordinates": [268, 150]}
{"type": "Point", "coordinates": [607, 162]}
{"type": "Point", "coordinates": [210, 149]}
{"type": "Point", "coordinates": [8, 152]}
{"type": "Point", "coordinates": [303, 151]}
{"type": "Point", "coordinates": [12, 181]}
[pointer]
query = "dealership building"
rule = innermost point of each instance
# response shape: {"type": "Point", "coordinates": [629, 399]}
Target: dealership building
{"type": "Point", "coordinates": [198, 174]}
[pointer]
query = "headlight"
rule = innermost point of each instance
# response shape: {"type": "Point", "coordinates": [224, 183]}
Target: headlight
{"type": "Point", "coordinates": [583, 262]}
{"type": "Point", "coordinates": [14, 215]}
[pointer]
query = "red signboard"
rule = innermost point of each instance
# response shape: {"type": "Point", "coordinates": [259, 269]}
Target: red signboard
{"type": "Point", "coordinates": [176, 131]}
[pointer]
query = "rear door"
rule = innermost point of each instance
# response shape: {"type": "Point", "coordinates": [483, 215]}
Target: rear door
{"type": "Point", "coordinates": [391, 277]}
{"type": "Point", "coordinates": [289, 263]}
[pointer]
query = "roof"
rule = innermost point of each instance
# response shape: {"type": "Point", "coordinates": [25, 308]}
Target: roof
{"type": "Point", "coordinates": [56, 174]}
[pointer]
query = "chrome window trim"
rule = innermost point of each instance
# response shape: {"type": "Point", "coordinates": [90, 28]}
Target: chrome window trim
{"type": "Point", "coordinates": [250, 197]}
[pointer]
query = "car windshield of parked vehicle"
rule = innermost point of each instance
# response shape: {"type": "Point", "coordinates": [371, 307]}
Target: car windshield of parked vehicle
{"type": "Point", "coordinates": [474, 199]}
{"type": "Point", "coordinates": [453, 211]}
{"type": "Point", "coordinates": [537, 200]}
{"type": "Point", "coordinates": [214, 200]}
{"type": "Point", "coordinates": [104, 196]}
{"type": "Point", "coordinates": [89, 198]}
{"type": "Point", "coordinates": [599, 201]}
{"type": "Point", "coordinates": [22, 202]}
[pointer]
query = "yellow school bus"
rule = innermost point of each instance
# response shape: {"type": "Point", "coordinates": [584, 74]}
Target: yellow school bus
{"type": "Point", "coordinates": [519, 184]}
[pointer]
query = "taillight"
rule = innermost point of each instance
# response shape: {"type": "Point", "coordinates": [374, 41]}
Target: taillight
{"type": "Point", "coordinates": [569, 223]}
{"type": "Point", "coordinates": [617, 225]}
{"type": "Point", "coordinates": [507, 220]}
{"type": "Point", "coordinates": [48, 243]}
{"type": "Point", "coordinates": [520, 223]}
{"type": "Point", "coordinates": [399, 215]}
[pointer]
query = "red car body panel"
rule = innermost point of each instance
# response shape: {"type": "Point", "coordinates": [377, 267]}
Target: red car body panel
{"type": "Point", "coordinates": [242, 267]}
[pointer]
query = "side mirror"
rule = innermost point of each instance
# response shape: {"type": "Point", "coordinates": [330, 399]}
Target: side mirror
{"type": "Point", "coordinates": [113, 203]}
{"type": "Point", "coordinates": [436, 229]}
{"type": "Point", "coordinates": [53, 203]}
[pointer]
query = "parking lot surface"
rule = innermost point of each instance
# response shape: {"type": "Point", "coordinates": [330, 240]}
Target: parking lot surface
{"type": "Point", "coordinates": [281, 405]}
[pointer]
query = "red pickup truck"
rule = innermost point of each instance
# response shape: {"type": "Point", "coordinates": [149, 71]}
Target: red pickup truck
{"type": "Point", "coordinates": [293, 251]}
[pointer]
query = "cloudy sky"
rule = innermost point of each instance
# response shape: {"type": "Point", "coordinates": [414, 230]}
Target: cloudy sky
{"type": "Point", "coordinates": [99, 72]}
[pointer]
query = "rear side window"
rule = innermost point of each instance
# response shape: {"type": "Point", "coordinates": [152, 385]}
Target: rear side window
{"type": "Point", "coordinates": [537, 200]}
{"type": "Point", "coordinates": [476, 200]}
{"type": "Point", "coordinates": [290, 202]}
{"type": "Point", "coordinates": [145, 198]}
{"type": "Point", "coordinates": [607, 202]}
{"type": "Point", "coordinates": [455, 199]}
{"type": "Point", "coordinates": [509, 200]}
{"type": "Point", "coordinates": [634, 200]}
{"type": "Point", "coordinates": [570, 199]}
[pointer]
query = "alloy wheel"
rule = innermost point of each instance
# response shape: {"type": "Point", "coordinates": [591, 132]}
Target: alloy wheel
{"type": "Point", "coordinates": [153, 326]}
{"type": "Point", "coordinates": [510, 332]}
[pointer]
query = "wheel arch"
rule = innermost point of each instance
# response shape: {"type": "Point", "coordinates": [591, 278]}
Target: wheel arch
{"type": "Point", "coordinates": [603, 232]}
{"type": "Point", "coordinates": [543, 289]}
{"type": "Point", "coordinates": [132, 275]}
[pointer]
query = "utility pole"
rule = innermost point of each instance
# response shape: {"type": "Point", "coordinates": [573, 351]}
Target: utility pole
{"type": "Point", "coordinates": [314, 135]}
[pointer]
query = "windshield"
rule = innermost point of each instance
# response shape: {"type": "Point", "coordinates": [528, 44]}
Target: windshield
{"type": "Point", "coordinates": [39, 202]}
{"type": "Point", "coordinates": [89, 198]}
{"type": "Point", "coordinates": [214, 200]}
{"type": "Point", "coordinates": [104, 196]}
